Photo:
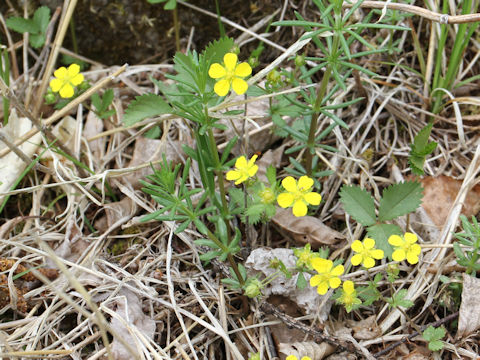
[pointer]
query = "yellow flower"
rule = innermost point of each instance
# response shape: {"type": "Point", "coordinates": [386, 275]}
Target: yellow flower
{"type": "Point", "coordinates": [243, 169]}
{"type": "Point", "coordinates": [293, 357]}
{"type": "Point", "coordinates": [405, 247]}
{"type": "Point", "coordinates": [230, 75]}
{"type": "Point", "coordinates": [66, 79]}
{"type": "Point", "coordinates": [349, 296]}
{"type": "Point", "coordinates": [328, 276]}
{"type": "Point", "coordinates": [366, 254]}
{"type": "Point", "coordinates": [305, 256]}
{"type": "Point", "coordinates": [298, 195]}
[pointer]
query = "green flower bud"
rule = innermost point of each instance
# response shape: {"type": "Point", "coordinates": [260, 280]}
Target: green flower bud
{"type": "Point", "coordinates": [235, 49]}
{"type": "Point", "coordinates": [84, 85]}
{"type": "Point", "coordinates": [299, 60]}
{"type": "Point", "coordinates": [267, 195]}
{"type": "Point", "coordinates": [252, 287]}
{"type": "Point", "coordinates": [255, 356]}
{"type": "Point", "coordinates": [50, 98]}
{"type": "Point", "coordinates": [274, 77]}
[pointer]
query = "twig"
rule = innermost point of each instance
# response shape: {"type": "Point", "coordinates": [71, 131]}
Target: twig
{"type": "Point", "coordinates": [417, 10]}
{"type": "Point", "coordinates": [416, 333]}
{"type": "Point", "coordinates": [318, 335]}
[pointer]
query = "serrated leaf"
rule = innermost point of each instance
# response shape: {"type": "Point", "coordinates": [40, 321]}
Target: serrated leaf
{"type": "Point", "coordinates": [301, 282]}
{"type": "Point", "coordinates": [421, 139]}
{"type": "Point", "coordinates": [431, 333]}
{"type": "Point", "coordinates": [271, 174]}
{"type": "Point", "coordinates": [400, 199]}
{"type": "Point", "coordinates": [215, 50]}
{"type": "Point", "coordinates": [37, 40]}
{"type": "Point", "coordinates": [107, 99]}
{"type": "Point", "coordinates": [359, 204]}
{"type": "Point", "coordinates": [435, 345]}
{"type": "Point", "coordinates": [143, 107]}
{"type": "Point", "coordinates": [21, 25]}
{"type": "Point", "coordinates": [42, 18]}
{"type": "Point", "coordinates": [380, 233]}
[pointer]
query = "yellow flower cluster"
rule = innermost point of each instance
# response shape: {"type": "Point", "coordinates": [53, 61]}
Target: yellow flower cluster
{"type": "Point", "coordinates": [298, 195]}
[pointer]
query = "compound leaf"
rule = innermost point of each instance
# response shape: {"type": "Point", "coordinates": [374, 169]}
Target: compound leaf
{"type": "Point", "coordinates": [145, 106]}
{"type": "Point", "coordinates": [359, 204]}
{"type": "Point", "coordinates": [400, 199]}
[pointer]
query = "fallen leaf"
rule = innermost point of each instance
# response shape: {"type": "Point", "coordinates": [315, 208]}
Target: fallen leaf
{"type": "Point", "coordinates": [129, 310]}
{"type": "Point", "coordinates": [116, 211]}
{"type": "Point", "coordinates": [306, 229]}
{"type": "Point", "coordinates": [271, 157]}
{"type": "Point", "coordinates": [151, 150]}
{"type": "Point", "coordinates": [306, 348]}
{"type": "Point", "coordinates": [439, 195]}
{"type": "Point", "coordinates": [308, 298]}
{"type": "Point", "coordinates": [365, 329]}
{"type": "Point", "coordinates": [469, 316]}
{"type": "Point", "coordinates": [94, 126]}
{"type": "Point", "coordinates": [11, 166]}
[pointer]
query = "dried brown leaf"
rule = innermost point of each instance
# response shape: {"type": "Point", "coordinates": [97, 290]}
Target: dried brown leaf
{"type": "Point", "coordinates": [306, 348]}
{"type": "Point", "coordinates": [439, 195]}
{"type": "Point", "coordinates": [469, 316]}
{"type": "Point", "coordinates": [129, 309]}
{"type": "Point", "coordinates": [365, 329]}
{"type": "Point", "coordinates": [94, 126]}
{"type": "Point", "coordinates": [306, 229]}
{"type": "Point", "coordinates": [119, 210]}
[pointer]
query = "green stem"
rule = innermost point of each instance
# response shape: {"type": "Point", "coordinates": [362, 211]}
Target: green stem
{"type": "Point", "coordinates": [216, 159]}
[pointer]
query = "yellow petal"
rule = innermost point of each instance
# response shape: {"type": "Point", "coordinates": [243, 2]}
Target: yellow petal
{"type": "Point", "coordinates": [221, 87]}
{"type": "Point", "coordinates": [399, 255]}
{"type": "Point", "coordinates": [356, 259]}
{"type": "Point", "coordinates": [348, 287]}
{"type": "Point", "coordinates": [241, 162]}
{"type": "Point", "coordinates": [322, 288]}
{"type": "Point", "coordinates": [357, 246]}
{"type": "Point", "coordinates": [217, 71]}
{"type": "Point", "coordinates": [377, 254]}
{"type": "Point", "coordinates": [239, 86]}
{"type": "Point", "coordinates": [241, 179]}
{"type": "Point", "coordinates": [289, 184]}
{"type": "Point", "coordinates": [305, 183]}
{"type": "Point", "coordinates": [252, 170]}
{"type": "Point", "coordinates": [73, 70]}
{"type": "Point", "coordinates": [285, 200]}
{"type": "Point", "coordinates": [334, 282]}
{"type": "Point", "coordinates": [412, 258]}
{"type": "Point", "coordinates": [61, 73]}
{"type": "Point", "coordinates": [252, 160]}
{"type": "Point", "coordinates": [368, 243]}
{"type": "Point", "coordinates": [410, 238]}
{"type": "Point", "coordinates": [233, 175]}
{"type": "Point", "coordinates": [368, 262]}
{"type": "Point", "coordinates": [315, 280]}
{"type": "Point", "coordinates": [77, 79]}
{"type": "Point", "coordinates": [243, 70]}
{"type": "Point", "coordinates": [306, 358]}
{"type": "Point", "coordinates": [312, 198]}
{"type": "Point", "coordinates": [395, 240]}
{"type": "Point", "coordinates": [66, 91]}
{"type": "Point", "coordinates": [321, 265]}
{"type": "Point", "coordinates": [56, 85]}
{"type": "Point", "coordinates": [299, 208]}
{"type": "Point", "coordinates": [291, 357]}
{"type": "Point", "coordinates": [415, 249]}
{"type": "Point", "coordinates": [230, 61]}
{"type": "Point", "coordinates": [337, 270]}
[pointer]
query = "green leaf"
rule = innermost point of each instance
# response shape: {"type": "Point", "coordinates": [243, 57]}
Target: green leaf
{"type": "Point", "coordinates": [380, 233]}
{"type": "Point", "coordinates": [420, 149]}
{"type": "Point", "coordinates": [398, 299]}
{"type": "Point", "coordinates": [400, 199]}
{"type": "Point", "coordinates": [21, 25]}
{"type": "Point", "coordinates": [170, 5]}
{"type": "Point", "coordinates": [434, 336]}
{"type": "Point", "coordinates": [42, 18]}
{"type": "Point", "coordinates": [143, 107]}
{"type": "Point", "coordinates": [96, 101]}
{"type": "Point", "coordinates": [301, 282]}
{"type": "Point", "coordinates": [107, 99]}
{"type": "Point", "coordinates": [215, 50]}
{"type": "Point", "coordinates": [37, 40]}
{"type": "Point", "coordinates": [359, 204]}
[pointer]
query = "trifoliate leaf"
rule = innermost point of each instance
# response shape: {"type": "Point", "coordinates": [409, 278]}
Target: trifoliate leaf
{"type": "Point", "coordinates": [358, 203]}
{"type": "Point", "coordinates": [21, 25]}
{"type": "Point", "coordinates": [37, 40]}
{"type": "Point", "coordinates": [434, 336]}
{"type": "Point", "coordinates": [400, 199]}
{"type": "Point", "coordinates": [380, 233]}
{"type": "Point", "coordinates": [42, 18]}
{"type": "Point", "coordinates": [398, 299]}
{"type": "Point", "coordinates": [143, 107]}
